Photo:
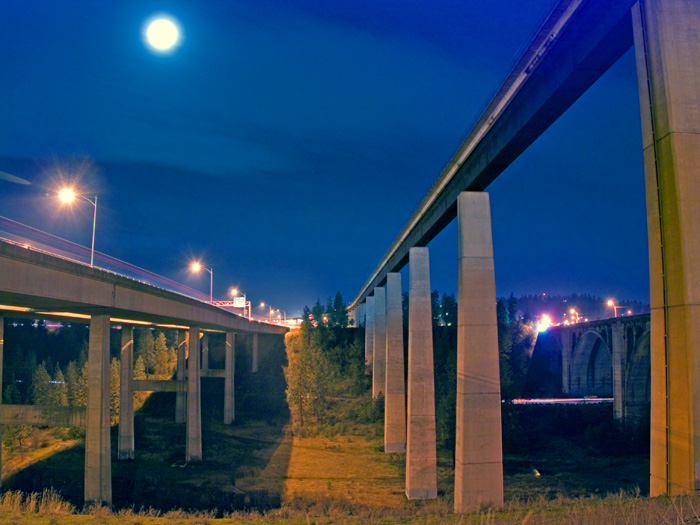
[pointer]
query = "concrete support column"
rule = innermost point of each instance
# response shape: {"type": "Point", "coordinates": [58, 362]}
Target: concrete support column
{"type": "Point", "coordinates": [667, 47]}
{"type": "Point", "coordinates": [98, 465]}
{"type": "Point", "coordinates": [395, 396]}
{"type": "Point", "coordinates": [421, 452]}
{"type": "Point", "coordinates": [254, 365]}
{"type": "Point", "coordinates": [181, 397]}
{"type": "Point", "coordinates": [379, 359]}
{"type": "Point", "coordinates": [619, 366]}
{"type": "Point", "coordinates": [361, 314]}
{"type": "Point", "coordinates": [229, 370]}
{"type": "Point", "coordinates": [126, 397]}
{"type": "Point", "coordinates": [194, 400]}
{"type": "Point", "coordinates": [478, 450]}
{"type": "Point", "coordinates": [566, 349]}
{"type": "Point", "coordinates": [369, 331]}
{"type": "Point", "coordinates": [205, 351]}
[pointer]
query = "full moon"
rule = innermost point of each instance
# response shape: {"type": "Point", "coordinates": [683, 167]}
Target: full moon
{"type": "Point", "coordinates": [162, 34]}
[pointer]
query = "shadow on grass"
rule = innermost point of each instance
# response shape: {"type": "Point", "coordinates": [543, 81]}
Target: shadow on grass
{"type": "Point", "coordinates": [244, 464]}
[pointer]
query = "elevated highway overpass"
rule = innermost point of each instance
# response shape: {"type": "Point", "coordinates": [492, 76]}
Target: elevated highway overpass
{"type": "Point", "coordinates": [579, 41]}
{"type": "Point", "coordinates": [42, 286]}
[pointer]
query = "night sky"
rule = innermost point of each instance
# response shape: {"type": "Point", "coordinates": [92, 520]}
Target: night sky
{"type": "Point", "coordinates": [285, 143]}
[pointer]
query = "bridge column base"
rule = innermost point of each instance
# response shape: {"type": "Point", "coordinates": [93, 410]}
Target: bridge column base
{"type": "Point", "coordinates": [194, 400]}
{"type": "Point", "coordinates": [181, 397]}
{"type": "Point", "coordinates": [667, 46]}
{"type": "Point", "coordinates": [421, 452]}
{"type": "Point", "coordinates": [369, 332]}
{"type": "Point", "coordinates": [254, 364]}
{"type": "Point", "coordinates": [229, 369]}
{"type": "Point", "coordinates": [98, 466]}
{"type": "Point", "coordinates": [395, 397]}
{"type": "Point", "coordinates": [379, 358]}
{"type": "Point", "coordinates": [478, 452]}
{"type": "Point", "coordinates": [126, 397]}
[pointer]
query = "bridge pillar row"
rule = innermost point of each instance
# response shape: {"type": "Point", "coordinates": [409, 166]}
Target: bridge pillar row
{"type": "Point", "coordinates": [379, 359]}
{"type": "Point", "coordinates": [98, 466]}
{"type": "Point", "coordinates": [205, 351]}
{"type": "Point", "coordinates": [126, 396]}
{"type": "Point", "coordinates": [667, 47]}
{"type": "Point", "coordinates": [361, 314]}
{"type": "Point", "coordinates": [369, 332]}
{"type": "Point", "coordinates": [421, 450]}
{"type": "Point", "coordinates": [181, 397]}
{"type": "Point", "coordinates": [395, 392]}
{"type": "Point", "coordinates": [254, 365]}
{"type": "Point", "coordinates": [194, 400]}
{"type": "Point", "coordinates": [229, 372]}
{"type": "Point", "coordinates": [478, 450]}
{"type": "Point", "coordinates": [618, 350]}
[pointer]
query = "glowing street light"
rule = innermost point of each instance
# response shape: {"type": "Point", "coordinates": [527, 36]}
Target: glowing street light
{"type": "Point", "coordinates": [67, 196]}
{"type": "Point", "coordinates": [196, 266]}
{"type": "Point", "coordinates": [234, 293]}
{"type": "Point", "coordinates": [612, 304]}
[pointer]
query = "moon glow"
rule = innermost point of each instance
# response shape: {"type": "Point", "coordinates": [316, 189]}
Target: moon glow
{"type": "Point", "coordinates": [162, 34]}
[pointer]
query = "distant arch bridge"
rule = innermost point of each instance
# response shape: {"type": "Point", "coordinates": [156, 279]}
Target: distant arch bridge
{"type": "Point", "coordinates": [609, 357]}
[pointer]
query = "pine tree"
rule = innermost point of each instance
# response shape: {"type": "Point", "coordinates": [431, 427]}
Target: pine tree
{"type": "Point", "coordinates": [161, 355]}
{"type": "Point", "coordinates": [41, 386]}
{"type": "Point", "coordinates": [172, 360]}
{"type": "Point", "coordinates": [145, 348]}
{"type": "Point", "coordinates": [81, 392]}
{"type": "Point", "coordinates": [339, 315]}
{"type": "Point", "coordinates": [72, 383]}
{"type": "Point", "coordinates": [11, 395]}
{"type": "Point", "coordinates": [139, 369]}
{"type": "Point", "coordinates": [317, 313]}
{"type": "Point", "coordinates": [60, 388]}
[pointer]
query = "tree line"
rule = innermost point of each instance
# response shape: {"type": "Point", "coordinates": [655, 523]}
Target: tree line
{"type": "Point", "coordinates": [60, 378]}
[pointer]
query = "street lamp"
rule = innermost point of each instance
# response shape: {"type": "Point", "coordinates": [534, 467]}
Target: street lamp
{"type": "Point", "coordinates": [67, 196]}
{"type": "Point", "coordinates": [234, 292]}
{"type": "Point", "coordinates": [196, 267]}
{"type": "Point", "coordinates": [612, 304]}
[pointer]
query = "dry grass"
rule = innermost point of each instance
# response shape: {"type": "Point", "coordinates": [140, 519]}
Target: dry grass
{"type": "Point", "coordinates": [347, 468]}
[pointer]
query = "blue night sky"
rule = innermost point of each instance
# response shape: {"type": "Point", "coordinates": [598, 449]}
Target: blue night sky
{"type": "Point", "coordinates": [286, 143]}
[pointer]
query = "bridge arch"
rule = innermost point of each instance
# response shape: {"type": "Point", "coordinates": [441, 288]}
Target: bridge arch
{"type": "Point", "coordinates": [638, 380]}
{"type": "Point", "coordinates": [591, 366]}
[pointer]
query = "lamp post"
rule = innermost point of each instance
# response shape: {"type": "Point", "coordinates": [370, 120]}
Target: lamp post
{"type": "Point", "coordinates": [67, 196]}
{"type": "Point", "coordinates": [246, 304]}
{"type": "Point", "coordinates": [195, 267]}
{"type": "Point", "coordinates": [612, 304]}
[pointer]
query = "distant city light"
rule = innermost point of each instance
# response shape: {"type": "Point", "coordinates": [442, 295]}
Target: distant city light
{"type": "Point", "coordinates": [544, 323]}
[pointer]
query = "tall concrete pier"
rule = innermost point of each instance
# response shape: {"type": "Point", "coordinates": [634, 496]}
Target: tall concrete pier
{"type": "Point", "coordinates": [369, 330]}
{"type": "Point", "coordinates": [379, 359]}
{"type": "Point", "coordinates": [194, 401]}
{"type": "Point", "coordinates": [395, 393]}
{"type": "Point", "coordinates": [254, 365]}
{"type": "Point", "coordinates": [98, 466]}
{"type": "Point", "coordinates": [205, 351]}
{"type": "Point", "coordinates": [478, 453]}
{"type": "Point", "coordinates": [181, 397]}
{"type": "Point", "coordinates": [667, 47]}
{"type": "Point", "coordinates": [126, 398]}
{"type": "Point", "coordinates": [229, 372]}
{"type": "Point", "coordinates": [421, 452]}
